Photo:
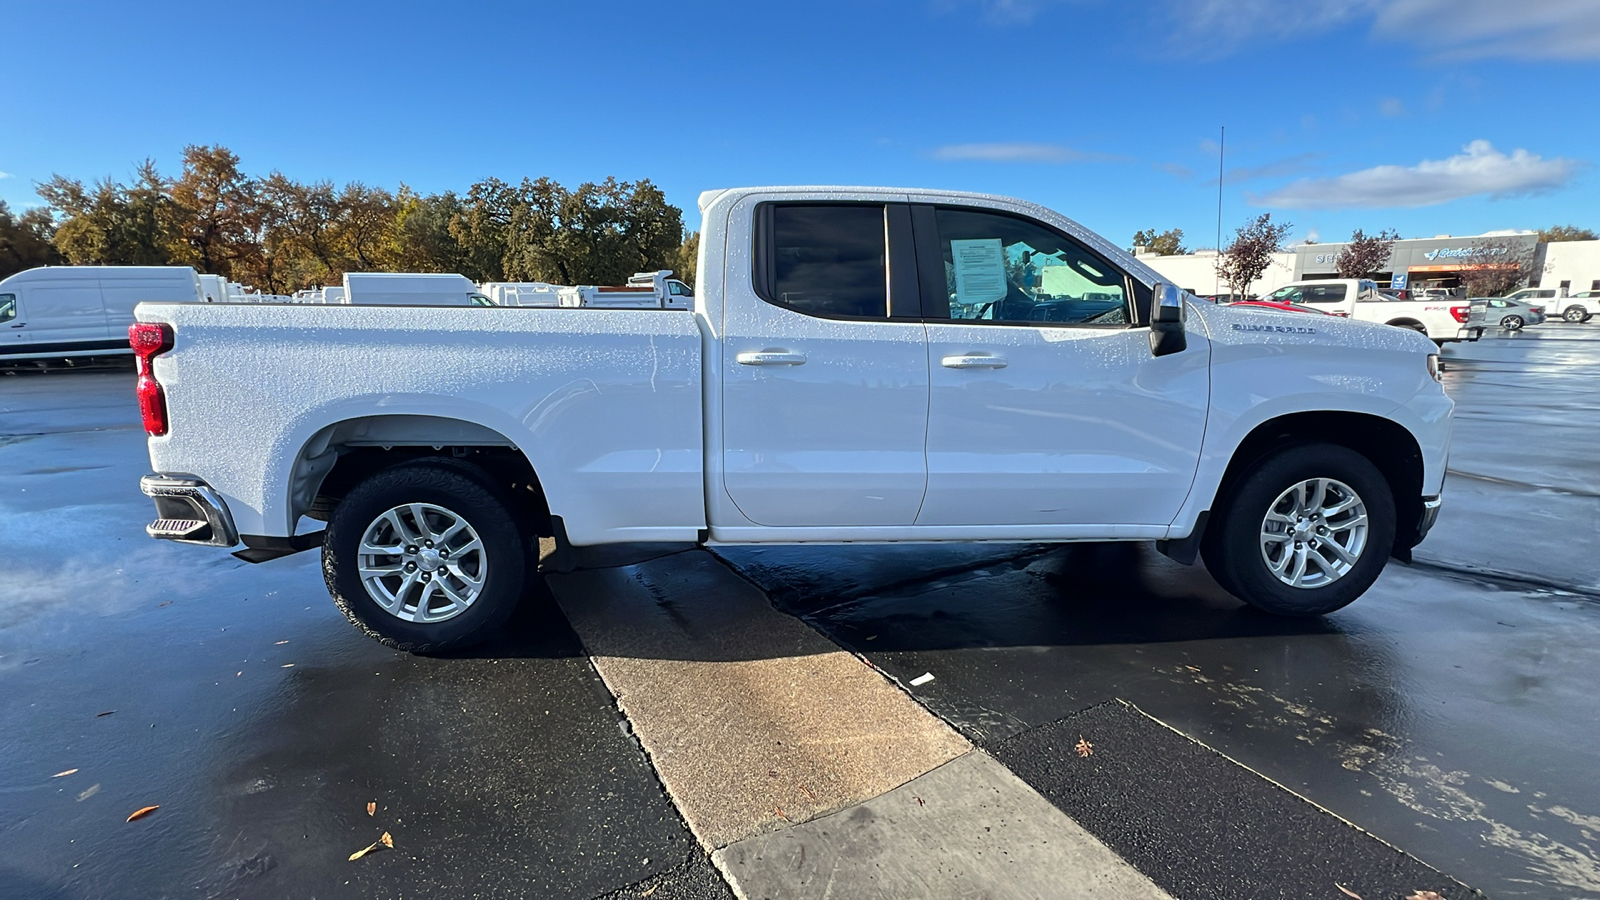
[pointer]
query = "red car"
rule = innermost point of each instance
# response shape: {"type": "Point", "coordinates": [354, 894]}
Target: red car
{"type": "Point", "coordinates": [1280, 305]}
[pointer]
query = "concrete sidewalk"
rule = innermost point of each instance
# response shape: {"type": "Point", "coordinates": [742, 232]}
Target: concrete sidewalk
{"type": "Point", "coordinates": [800, 768]}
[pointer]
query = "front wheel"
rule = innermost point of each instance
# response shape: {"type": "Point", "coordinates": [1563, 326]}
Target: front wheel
{"type": "Point", "coordinates": [424, 556]}
{"type": "Point", "coordinates": [1305, 533]}
{"type": "Point", "coordinates": [1575, 314]}
{"type": "Point", "coordinates": [1511, 323]}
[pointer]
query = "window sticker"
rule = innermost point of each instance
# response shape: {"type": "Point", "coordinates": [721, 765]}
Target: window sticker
{"type": "Point", "coordinates": [980, 270]}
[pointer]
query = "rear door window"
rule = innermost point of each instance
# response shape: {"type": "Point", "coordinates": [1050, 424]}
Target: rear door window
{"type": "Point", "coordinates": [827, 260]}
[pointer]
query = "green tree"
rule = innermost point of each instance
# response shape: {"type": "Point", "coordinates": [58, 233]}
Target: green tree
{"type": "Point", "coordinates": [1166, 243]}
{"type": "Point", "coordinates": [1366, 254]}
{"type": "Point", "coordinates": [1251, 252]}
{"type": "Point", "coordinates": [109, 224]}
{"type": "Point", "coordinates": [1556, 233]}
{"type": "Point", "coordinates": [422, 231]}
{"type": "Point", "coordinates": [685, 261]}
{"type": "Point", "coordinates": [482, 226]}
{"type": "Point", "coordinates": [25, 240]}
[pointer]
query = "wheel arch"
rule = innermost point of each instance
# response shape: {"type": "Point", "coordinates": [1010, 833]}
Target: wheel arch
{"type": "Point", "coordinates": [1408, 322]}
{"type": "Point", "coordinates": [1389, 445]}
{"type": "Point", "coordinates": [340, 455]}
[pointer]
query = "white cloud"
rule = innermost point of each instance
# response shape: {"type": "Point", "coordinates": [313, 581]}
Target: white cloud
{"type": "Point", "coordinates": [6, 175]}
{"type": "Point", "coordinates": [1478, 169]}
{"type": "Point", "coordinates": [1392, 107]}
{"type": "Point", "coordinates": [1019, 152]}
{"type": "Point", "coordinates": [999, 12]}
{"type": "Point", "coordinates": [1455, 29]}
{"type": "Point", "coordinates": [1478, 29]}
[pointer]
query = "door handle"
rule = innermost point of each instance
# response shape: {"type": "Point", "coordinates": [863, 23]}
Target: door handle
{"type": "Point", "coordinates": [770, 358]}
{"type": "Point", "coordinates": [973, 362]}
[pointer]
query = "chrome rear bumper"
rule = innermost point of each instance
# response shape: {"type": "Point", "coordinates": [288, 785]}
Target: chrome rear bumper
{"type": "Point", "coordinates": [188, 511]}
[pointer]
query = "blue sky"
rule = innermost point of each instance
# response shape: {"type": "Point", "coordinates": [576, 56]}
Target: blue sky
{"type": "Point", "coordinates": [1428, 116]}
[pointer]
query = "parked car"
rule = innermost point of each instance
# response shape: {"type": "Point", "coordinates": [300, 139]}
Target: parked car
{"type": "Point", "coordinates": [1577, 308]}
{"type": "Point", "coordinates": [1511, 314]}
{"type": "Point", "coordinates": [824, 389]}
{"type": "Point", "coordinates": [66, 311]}
{"type": "Point", "coordinates": [1441, 320]}
{"type": "Point", "coordinates": [1279, 305]}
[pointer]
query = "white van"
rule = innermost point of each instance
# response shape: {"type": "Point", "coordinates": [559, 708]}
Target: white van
{"type": "Point", "coordinates": [410, 289]}
{"type": "Point", "coordinates": [56, 311]}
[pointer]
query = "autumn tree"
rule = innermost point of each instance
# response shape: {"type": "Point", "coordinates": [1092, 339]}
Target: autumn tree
{"type": "Point", "coordinates": [1366, 254]}
{"type": "Point", "coordinates": [305, 235]}
{"type": "Point", "coordinates": [210, 205]}
{"type": "Point", "coordinates": [25, 240]}
{"type": "Point", "coordinates": [1250, 252]}
{"type": "Point", "coordinates": [1498, 267]}
{"type": "Point", "coordinates": [1166, 243]}
{"type": "Point", "coordinates": [1556, 233]}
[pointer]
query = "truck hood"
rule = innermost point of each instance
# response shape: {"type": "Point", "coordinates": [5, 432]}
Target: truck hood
{"type": "Point", "coordinates": [1259, 325]}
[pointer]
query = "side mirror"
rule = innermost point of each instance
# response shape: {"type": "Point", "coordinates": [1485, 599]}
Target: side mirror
{"type": "Point", "coordinates": [1166, 320]}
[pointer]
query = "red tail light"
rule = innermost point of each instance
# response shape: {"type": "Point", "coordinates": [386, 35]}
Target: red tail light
{"type": "Point", "coordinates": [1461, 313]}
{"type": "Point", "coordinates": [150, 340]}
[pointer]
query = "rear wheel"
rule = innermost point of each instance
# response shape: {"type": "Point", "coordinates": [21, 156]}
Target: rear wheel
{"type": "Point", "coordinates": [1575, 314]}
{"type": "Point", "coordinates": [1511, 323]}
{"type": "Point", "coordinates": [1305, 533]}
{"type": "Point", "coordinates": [425, 556]}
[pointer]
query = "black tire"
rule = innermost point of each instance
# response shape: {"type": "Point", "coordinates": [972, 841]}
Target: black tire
{"type": "Point", "coordinates": [1233, 546]}
{"type": "Point", "coordinates": [1575, 314]}
{"type": "Point", "coordinates": [1511, 323]}
{"type": "Point", "coordinates": [464, 491]}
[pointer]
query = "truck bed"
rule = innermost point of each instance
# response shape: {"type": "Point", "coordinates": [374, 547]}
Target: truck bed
{"type": "Point", "coordinates": [605, 403]}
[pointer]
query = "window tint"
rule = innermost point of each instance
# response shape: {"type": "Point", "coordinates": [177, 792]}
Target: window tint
{"type": "Point", "coordinates": [8, 307]}
{"type": "Point", "coordinates": [830, 260]}
{"type": "Point", "coordinates": [1004, 269]}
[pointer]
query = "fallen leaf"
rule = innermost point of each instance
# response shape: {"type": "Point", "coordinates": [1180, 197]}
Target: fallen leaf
{"type": "Point", "coordinates": [280, 643]}
{"type": "Point", "coordinates": [919, 801]}
{"type": "Point", "coordinates": [106, 713]}
{"type": "Point", "coordinates": [1346, 891]}
{"type": "Point", "coordinates": [167, 603]}
{"type": "Point", "coordinates": [93, 789]}
{"type": "Point", "coordinates": [1425, 895]}
{"type": "Point", "coordinates": [1084, 748]}
{"type": "Point", "coordinates": [809, 795]}
{"type": "Point", "coordinates": [652, 889]}
{"type": "Point", "coordinates": [287, 666]}
{"type": "Point", "coordinates": [238, 673]}
{"type": "Point", "coordinates": [779, 811]}
{"type": "Point", "coordinates": [373, 847]}
{"type": "Point", "coordinates": [387, 840]}
{"type": "Point", "coordinates": [372, 809]}
{"type": "Point", "coordinates": [141, 813]}
{"type": "Point", "coordinates": [60, 774]}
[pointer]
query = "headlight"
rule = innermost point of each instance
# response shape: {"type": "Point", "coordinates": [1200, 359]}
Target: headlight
{"type": "Point", "coordinates": [1433, 366]}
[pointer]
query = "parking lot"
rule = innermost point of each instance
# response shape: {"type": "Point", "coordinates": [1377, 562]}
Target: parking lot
{"type": "Point", "coordinates": [1450, 713]}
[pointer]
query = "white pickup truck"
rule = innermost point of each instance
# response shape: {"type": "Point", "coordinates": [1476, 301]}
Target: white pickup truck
{"type": "Point", "coordinates": [1441, 319]}
{"type": "Point", "coordinates": [861, 365]}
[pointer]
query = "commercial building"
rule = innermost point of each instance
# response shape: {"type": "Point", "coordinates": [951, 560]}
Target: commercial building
{"type": "Point", "coordinates": [1435, 262]}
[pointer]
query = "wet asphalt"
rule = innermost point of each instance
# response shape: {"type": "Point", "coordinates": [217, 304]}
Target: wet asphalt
{"type": "Point", "coordinates": [1450, 712]}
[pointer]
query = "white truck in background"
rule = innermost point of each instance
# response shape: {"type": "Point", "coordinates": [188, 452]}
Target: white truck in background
{"type": "Point", "coordinates": [1442, 320]}
{"type": "Point", "coordinates": [409, 289]}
